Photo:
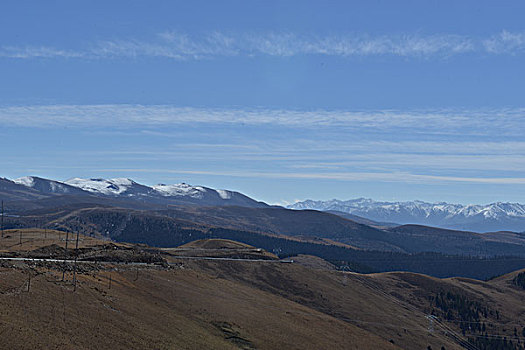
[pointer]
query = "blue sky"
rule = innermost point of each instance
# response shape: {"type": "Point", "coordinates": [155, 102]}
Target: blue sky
{"type": "Point", "coordinates": [281, 100]}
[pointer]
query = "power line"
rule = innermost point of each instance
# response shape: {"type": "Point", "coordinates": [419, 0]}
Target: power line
{"type": "Point", "coordinates": [484, 321]}
{"type": "Point", "coordinates": [447, 329]}
{"type": "Point", "coordinates": [75, 265]}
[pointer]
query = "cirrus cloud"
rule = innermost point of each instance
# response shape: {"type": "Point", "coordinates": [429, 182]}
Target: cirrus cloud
{"type": "Point", "coordinates": [182, 46]}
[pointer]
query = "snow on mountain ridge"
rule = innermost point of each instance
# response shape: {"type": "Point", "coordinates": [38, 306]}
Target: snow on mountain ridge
{"type": "Point", "coordinates": [108, 187]}
{"type": "Point", "coordinates": [417, 211]}
{"type": "Point", "coordinates": [181, 189]}
{"type": "Point", "coordinates": [129, 192]}
{"type": "Point", "coordinates": [27, 181]}
{"type": "Point", "coordinates": [42, 184]}
{"type": "Point", "coordinates": [123, 187]}
{"type": "Point", "coordinates": [224, 194]}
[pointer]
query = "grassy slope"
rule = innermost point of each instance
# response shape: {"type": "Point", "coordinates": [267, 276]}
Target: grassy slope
{"type": "Point", "coordinates": [232, 305]}
{"type": "Point", "coordinates": [35, 238]}
{"type": "Point", "coordinates": [182, 309]}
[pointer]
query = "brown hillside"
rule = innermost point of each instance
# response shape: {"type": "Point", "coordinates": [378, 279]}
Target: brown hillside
{"type": "Point", "coordinates": [224, 304]}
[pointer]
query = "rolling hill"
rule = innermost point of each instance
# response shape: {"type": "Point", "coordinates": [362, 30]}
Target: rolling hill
{"type": "Point", "coordinates": [228, 304]}
{"type": "Point", "coordinates": [165, 229]}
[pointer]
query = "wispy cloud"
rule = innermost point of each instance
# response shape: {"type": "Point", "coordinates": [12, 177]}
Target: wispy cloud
{"type": "Point", "coordinates": [496, 123]}
{"type": "Point", "coordinates": [25, 52]}
{"type": "Point", "coordinates": [499, 162]}
{"type": "Point", "coordinates": [403, 177]}
{"type": "Point", "coordinates": [505, 42]}
{"type": "Point", "coordinates": [493, 122]}
{"type": "Point", "coordinates": [360, 45]}
{"type": "Point", "coordinates": [182, 46]}
{"type": "Point", "coordinates": [483, 146]}
{"type": "Point", "coordinates": [169, 45]}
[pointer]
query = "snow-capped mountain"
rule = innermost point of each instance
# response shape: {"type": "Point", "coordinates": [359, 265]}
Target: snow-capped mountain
{"type": "Point", "coordinates": [480, 218]}
{"type": "Point", "coordinates": [46, 186]}
{"type": "Point", "coordinates": [128, 187]}
{"type": "Point", "coordinates": [110, 187]}
{"type": "Point", "coordinates": [129, 190]}
{"type": "Point", "coordinates": [181, 189]}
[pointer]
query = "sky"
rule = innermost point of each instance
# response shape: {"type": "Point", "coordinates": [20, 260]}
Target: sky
{"type": "Point", "coordinates": [280, 100]}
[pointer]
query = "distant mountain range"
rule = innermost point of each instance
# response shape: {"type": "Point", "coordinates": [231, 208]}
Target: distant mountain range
{"type": "Point", "coordinates": [170, 215]}
{"type": "Point", "coordinates": [33, 193]}
{"type": "Point", "coordinates": [120, 191]}
{"type": "Point", "coordinates": [479, 218]}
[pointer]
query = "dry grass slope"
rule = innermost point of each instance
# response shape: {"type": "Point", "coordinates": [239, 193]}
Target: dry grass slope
{"type": "Point", "coordinates": [203, 304]}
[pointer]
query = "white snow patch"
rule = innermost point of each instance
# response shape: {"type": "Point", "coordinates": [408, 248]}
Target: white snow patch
{"type": "Point", "coordinates": [103, 186]}
{"type": "Point", "coordinates": [58, 187]}
{"type": "Point", "coordinates": [27, 181]}
{"type": "Point", "coordinates": [181, 189]}
{"type": "Point", "coordinates": [224, 194]}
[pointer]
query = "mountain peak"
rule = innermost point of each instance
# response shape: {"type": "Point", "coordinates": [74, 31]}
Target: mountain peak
{"type": "Point", "coordinates": [45, 185]}
{"type": "Point", "coordinates": [27, 181]}
{"type": "Point", "coordinates": [115, 186]}
{"type": "Point", "coordinates": [181, 189]}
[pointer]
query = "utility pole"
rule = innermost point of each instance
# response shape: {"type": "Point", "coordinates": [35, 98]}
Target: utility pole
{"type": "Point", "coordinates": [65, 257]}
{"type": "Point", "coordinates": [2, 223]}
{"type": "Point", "coordinates": [44, 236]}
{"type": "Point", "coordinates": [75, 266]}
